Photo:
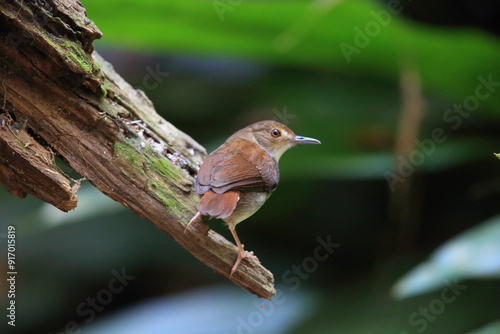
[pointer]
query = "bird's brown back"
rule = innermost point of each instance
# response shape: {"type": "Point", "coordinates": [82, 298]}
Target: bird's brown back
{"type": "Point", "coordinates": [238, 164]}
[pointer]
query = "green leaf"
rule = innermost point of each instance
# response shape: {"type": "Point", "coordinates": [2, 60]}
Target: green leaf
{"type": "Point", "coordinates": [473, 254]}
{"type": "Point", "coordinates": [312, 34]}
{"type": "Point", "coordinates": [493, 328]}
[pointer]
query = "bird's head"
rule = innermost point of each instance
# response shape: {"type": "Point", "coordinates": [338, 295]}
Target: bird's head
{"type": "Point", "coordinates": [276, 138]}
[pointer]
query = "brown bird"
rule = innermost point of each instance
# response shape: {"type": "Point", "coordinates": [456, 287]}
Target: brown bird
{"type": "Point", "coordinates": [238, 177]}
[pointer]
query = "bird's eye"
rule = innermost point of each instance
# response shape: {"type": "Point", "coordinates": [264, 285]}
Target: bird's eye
{"type": "Point", "coordinates": [275, 133]}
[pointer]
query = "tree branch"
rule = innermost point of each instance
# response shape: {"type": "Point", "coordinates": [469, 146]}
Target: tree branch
{"type": "Point", "coordinates": [58, 99]}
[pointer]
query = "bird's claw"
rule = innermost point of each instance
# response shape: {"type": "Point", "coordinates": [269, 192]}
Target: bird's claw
{"type": "Point", "coordinates": [242, 255]}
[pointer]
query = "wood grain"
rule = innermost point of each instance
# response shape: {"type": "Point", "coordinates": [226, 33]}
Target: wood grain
{"type": "Point", "coordinates": [59, 98]}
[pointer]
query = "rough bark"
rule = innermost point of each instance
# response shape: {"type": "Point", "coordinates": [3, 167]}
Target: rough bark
{"type": "Point", "coordinates": [58, 98]}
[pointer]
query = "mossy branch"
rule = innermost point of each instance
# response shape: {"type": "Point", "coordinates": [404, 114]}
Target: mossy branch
{"type": "Point", "coordinates": [59, 98]}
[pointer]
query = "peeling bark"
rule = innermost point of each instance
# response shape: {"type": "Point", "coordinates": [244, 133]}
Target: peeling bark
{"type": "Point", "coordinates": [59, 98]}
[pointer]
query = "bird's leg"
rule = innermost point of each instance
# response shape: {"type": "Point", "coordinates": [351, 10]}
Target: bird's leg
{"type": "Point", "coordinates": [195, 218]}
{"type": "Point", "coordinates": [242, 253]}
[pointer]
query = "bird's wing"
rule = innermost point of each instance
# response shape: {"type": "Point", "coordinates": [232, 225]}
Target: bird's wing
{"type": "Point", "coordinates": [239, 165]}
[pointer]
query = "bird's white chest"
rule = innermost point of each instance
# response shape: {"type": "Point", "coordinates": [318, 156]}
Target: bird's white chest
{"type": "Point", "coordinates": [248, 204]}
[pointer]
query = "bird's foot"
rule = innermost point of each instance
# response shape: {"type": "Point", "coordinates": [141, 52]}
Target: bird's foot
{"type": "Point", "coordinates": [195, 218]}
{"type": "Point", "coordinates": [242, 255]}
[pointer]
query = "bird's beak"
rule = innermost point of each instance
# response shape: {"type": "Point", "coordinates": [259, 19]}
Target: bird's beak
{"type": "Point", "coordinates": [305, 140]}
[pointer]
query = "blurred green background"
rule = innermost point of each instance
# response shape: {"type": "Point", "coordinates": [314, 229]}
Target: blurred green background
{"type": "Point", "coordinates": [405, 97]}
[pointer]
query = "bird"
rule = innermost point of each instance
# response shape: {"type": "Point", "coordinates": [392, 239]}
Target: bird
{"type": "Point", "coordinates": [237, 178]}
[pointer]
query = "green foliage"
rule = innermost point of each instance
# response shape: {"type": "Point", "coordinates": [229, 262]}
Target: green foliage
{"type": "Point", "coordinates": [305, 35]}
{"type": "Point", "coordinates": [473, 254]}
